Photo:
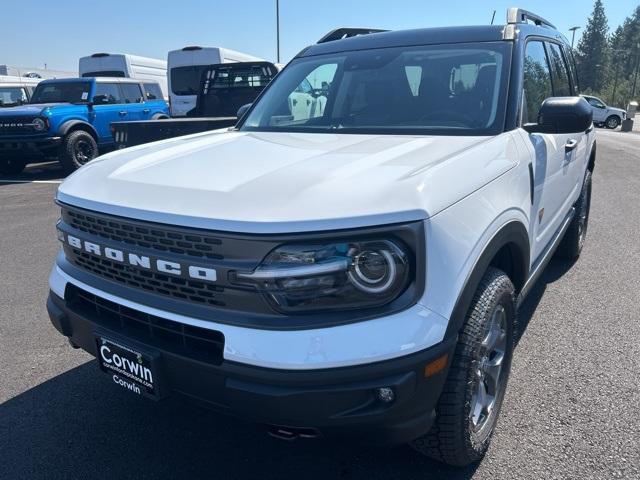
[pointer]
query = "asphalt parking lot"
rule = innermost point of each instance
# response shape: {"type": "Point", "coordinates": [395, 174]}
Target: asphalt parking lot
{"type": "Point", "coordinates": [572, 409]}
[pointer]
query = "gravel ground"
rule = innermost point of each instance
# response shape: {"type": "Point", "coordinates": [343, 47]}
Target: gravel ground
{"type": "Point", "coordinates": [572, 410]}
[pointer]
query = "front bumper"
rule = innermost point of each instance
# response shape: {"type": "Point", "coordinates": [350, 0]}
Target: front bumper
{"type": "Point", "coordinates": [34, 145]}
{"type": "Point", "coordinates": [324, 402]}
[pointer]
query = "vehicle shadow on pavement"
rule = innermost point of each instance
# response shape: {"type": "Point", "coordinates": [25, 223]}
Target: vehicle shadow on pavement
{"type": "Point", "coordinates": [78, 425]}
{"type": "Point", "coordinates": [36, 172]}
{"type": "Point", "coordinates": [554, 271]}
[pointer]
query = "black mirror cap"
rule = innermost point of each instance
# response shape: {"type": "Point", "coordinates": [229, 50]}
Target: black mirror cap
{"type": "Point", "coordinates": [242, 110]}
{"type": "Point", "coordinates": [563, 115]}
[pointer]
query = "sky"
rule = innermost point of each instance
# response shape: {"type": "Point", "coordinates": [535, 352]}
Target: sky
{"type": "Point", "coordinates": [59, 32]}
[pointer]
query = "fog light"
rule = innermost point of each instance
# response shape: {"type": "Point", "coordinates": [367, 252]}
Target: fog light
{"type": "Point", "coordinates": [385, 394]}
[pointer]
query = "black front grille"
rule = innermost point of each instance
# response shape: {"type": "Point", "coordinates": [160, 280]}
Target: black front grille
{"type": "Point", "coordinates": [161, 238]}
{"type": "Point", "coordinates": [186, 340]}
{"type": "Point", "coordinates": [176, 287]}
{"type": "Point", "coordinates": [16, 125]}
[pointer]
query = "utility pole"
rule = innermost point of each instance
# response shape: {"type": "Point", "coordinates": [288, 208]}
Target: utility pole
{"type": "Point", "coordinates": [573, 35]}
{"type": "Point", "coordinates": [278, 31]}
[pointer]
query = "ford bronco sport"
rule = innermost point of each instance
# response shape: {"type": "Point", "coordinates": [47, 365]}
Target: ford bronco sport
{"type": "Point", "coordinates": [350, 268]}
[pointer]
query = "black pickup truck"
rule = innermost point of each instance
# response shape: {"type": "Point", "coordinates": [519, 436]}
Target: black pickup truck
{"type": "Point", "coordinates": [224, 88]}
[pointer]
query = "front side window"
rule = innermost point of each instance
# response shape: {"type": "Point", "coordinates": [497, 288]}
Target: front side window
{"type": "Point", "coordinates": [594, 102]}
{"type": "Point", "coordinates": [63, 92]}
{"type": "Point", "coordinates": [561, 85]}
{"type": "Point", "coordinates": [131, 93]}
{"type": "Point", "coordinates": [107, 94]}
{"type": "Point", "coordinates": [537, 81]}
{"type": "Point", "coordinates": [12, 96]}
{"type": "Point", "coordinates": [456, 89]}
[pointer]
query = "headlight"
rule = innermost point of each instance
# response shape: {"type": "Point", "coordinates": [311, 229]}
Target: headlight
{"type": "Point", "coordinates": [329, 276]}
{"type": "Point", "coordinates": [39, 124]}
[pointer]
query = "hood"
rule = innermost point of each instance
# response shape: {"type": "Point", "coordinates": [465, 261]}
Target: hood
{"type": "Point", "coordinates": [281, 182]}
{"type": "Point", "coordinates": [619, 110]}
{"type": "Point", "coordinates": [32, 109]}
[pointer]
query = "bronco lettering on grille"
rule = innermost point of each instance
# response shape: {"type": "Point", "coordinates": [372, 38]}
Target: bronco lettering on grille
{"type": "Point", "coordinates": [196, 272]}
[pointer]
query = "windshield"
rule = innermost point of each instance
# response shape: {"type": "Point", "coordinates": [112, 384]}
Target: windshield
{"type": "Point", "coordinates": [457, 89]}
{"type": "Point", "coordinates": [12, 96]}
{"type": "Point", "coordinates": [67, 92]}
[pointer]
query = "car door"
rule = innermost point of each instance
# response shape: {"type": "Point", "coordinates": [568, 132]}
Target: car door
{"type": "Point", "coordinates": [599, 109]}
{"type": "Point", "coordinates": [134, 101]}
{"type": "Point", "coordinates": [108, 107]}
{"type": "Point", "coordinates": [551, 153]}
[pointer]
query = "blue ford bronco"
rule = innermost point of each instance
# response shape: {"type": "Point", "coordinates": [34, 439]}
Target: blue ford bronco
{"type": "Point", "coordinates": [69, 120]}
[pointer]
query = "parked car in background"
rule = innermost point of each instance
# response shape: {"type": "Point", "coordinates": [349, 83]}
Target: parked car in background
{"type": "Point", "coordinates": [185, 69]}
{"type": "Point", "coordinates": [16, 91]}
{"type": "Point", "coordinates": [604, 115]}
{"type": "Point", "coordinates": [126, 66]}
{"type": "Point", "coordinates": [68, 119]}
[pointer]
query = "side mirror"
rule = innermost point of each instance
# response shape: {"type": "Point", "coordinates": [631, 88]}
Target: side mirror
{"type": "Point", "coordinates": [242, 110]}
{"type": "Point", "coordinates": [562, 115]}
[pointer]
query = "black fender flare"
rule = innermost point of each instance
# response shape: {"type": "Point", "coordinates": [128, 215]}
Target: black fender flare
{"type": "Point", "coordinates": [67, 126]}
{"type": "Point", "coordinates": [513, 234]}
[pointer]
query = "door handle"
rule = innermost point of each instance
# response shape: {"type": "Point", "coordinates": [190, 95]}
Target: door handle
{"type": "Point", "coordinates": [570, 145]}
{"type": "Point", "coordinates": [122, 113]}
{"type": "Point", "coordinates": [146, 110]}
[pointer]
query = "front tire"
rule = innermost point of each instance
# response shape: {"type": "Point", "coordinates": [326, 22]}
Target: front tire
{"type": "Point", "coordinates": [77, 149]}
{"type": "Point", "coordinates": [12, 166]}
{"type": "Point", "coordinates": [612, 122]}
{"type": "Point", "coordinates": [468, 408]}
{"type": "Point", "coordinates": [573, 241]}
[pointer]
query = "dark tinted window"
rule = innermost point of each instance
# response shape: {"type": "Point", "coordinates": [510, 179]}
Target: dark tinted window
{"type": "Point", "coordinates": [456, 89]}
{"type": "Point", "coordinates": [186, 80]}
{"type": "Point", "coordinates": [107, 93]}
{"type": "Point", "coordinates": [65, 92]}
{"type": "Point", "coordinates": [537, 80]}
{"type": "Point", "coordinates": [131, 92]}
{"type": "Point", "coordinates": [153, 92]}
{"type": "Point", "coordinates": [561, 85]}
{"type": "Point", "coordinates": [108, 73]}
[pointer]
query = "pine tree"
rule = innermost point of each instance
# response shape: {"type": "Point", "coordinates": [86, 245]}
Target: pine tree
{"type": "Point", "coordinates": [593, 51]}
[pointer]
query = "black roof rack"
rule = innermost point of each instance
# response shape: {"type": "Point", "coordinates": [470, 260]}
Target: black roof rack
{"type": "Point", "coordinates": [340, 33]}
{"type": "Point", "coordinates": [518, 15]}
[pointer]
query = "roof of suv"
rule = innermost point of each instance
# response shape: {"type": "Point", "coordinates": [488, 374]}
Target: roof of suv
{"type": "Point", "coordinates": [431, 36]}
{"type": "Point", "coordinates": [97, 79]}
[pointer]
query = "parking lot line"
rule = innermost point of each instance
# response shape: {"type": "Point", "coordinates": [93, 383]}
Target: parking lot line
{"type": "Point", "coordinates": [29, 181]}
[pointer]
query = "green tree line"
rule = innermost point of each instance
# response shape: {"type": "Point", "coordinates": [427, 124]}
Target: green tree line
{"type": "Point", "coordinates": [608, 62]}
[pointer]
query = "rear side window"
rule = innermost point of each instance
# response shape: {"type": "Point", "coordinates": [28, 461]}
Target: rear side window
{"type": "Point", "coordinates": [152, 91]}
{"type": "Point", "coordinates": [559, 70]}
{"type": "Point", "coordinates": [537, 81]}
{"type": "Point", "coordinates": [131, 92]}
{"type": "Point", "coordinates": [107, 93]}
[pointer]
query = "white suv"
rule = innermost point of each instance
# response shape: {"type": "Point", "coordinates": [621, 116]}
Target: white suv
{"type": "Point", "coordinates": [604, 115]}
{"type": "Point", "coordinates": [351, 272]}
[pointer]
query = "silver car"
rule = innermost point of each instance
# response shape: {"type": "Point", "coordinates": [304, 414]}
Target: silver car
{"type": "Point", "coordinates": [604, 115]}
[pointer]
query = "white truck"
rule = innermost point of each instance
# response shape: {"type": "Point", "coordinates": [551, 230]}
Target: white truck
{"type": "Point", "coordinates": [352, 273]}
{"type": "Point", "coordinates": [15, 91]}
{"type": "Point", "coordinates": [125, 65]}
{"type": "Point", "coordinates": [185, 69]}
{"type": "Point", "coordinates": [604, 115]}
